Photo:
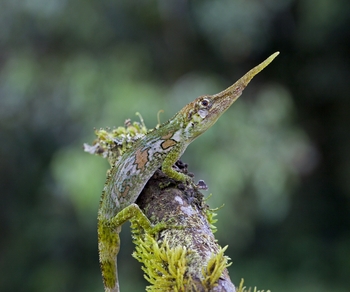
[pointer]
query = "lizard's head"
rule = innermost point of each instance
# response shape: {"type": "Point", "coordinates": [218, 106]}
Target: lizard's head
{"type": "Point", "coordinates": [204, 111]}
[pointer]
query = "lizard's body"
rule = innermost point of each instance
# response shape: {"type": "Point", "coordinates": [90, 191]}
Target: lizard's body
{"type": "Point", "coordinates": [160, 147]}
{"type": "Point", "coordinates": [135, 167]}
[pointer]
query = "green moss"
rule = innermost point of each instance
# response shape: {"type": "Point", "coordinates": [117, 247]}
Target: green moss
{"type": "Point", "coordinates": [167, 269]}
{"type": "Point", "coordinates": [164, 267]}
{"type": "Point", "coordinates": [210, 214]}
{"type": "Point", "coordinates": [242, 288]}
{"type": "Point", "coordinates": [215, 267]}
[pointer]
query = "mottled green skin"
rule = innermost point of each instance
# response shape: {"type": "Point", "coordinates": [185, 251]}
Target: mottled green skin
{"type": "Point", "coordinates": [160, 147]}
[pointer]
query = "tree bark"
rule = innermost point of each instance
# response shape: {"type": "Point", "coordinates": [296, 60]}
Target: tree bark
{"type": "Point", "coordinates": [187, 232]}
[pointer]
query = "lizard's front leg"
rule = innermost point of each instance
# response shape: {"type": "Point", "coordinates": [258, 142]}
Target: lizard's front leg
{"type": "Point", "coordinates": [169, 161]}
{"type": "Point", "coordinates": [109, 241]}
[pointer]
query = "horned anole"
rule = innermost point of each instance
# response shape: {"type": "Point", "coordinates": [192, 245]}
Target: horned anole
{"type": "Point", "coordinates": [160, 147]}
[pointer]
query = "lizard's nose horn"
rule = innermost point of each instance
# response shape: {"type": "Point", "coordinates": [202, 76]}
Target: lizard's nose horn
{"type": "Point", "coordinates": [237, 88]}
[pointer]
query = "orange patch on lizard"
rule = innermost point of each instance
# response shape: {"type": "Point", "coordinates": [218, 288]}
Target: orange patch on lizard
{"type": "Point", "coordinates": [168, 143]}
{"type": "Point", "coordinates": [141, 158]}
{"type": "Point", "coordinates": [167, 136]}
{"type": "Point", "coordinates": [125, 193]}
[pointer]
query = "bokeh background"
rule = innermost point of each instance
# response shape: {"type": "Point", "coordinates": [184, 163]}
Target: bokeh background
{"type": "Point", "coordinates": [279, 159]}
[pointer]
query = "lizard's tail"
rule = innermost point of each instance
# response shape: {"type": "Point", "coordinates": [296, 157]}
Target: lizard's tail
{"type": "Point", "coordinates": [108, 247]}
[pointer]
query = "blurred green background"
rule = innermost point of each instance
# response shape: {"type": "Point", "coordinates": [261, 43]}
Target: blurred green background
{"type": "Point", "coordinates": [279, 159]}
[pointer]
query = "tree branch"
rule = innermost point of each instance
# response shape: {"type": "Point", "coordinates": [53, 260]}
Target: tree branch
{"type": "Point", "coordinates": [184, 256]}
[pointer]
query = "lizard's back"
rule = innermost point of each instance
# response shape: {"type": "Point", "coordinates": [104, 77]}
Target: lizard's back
{"type": "Point", "coordinates": [134, 168]}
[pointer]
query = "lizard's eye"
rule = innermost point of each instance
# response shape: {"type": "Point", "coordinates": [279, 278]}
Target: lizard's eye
{"type": "Point", "coordinates": [205, 102]}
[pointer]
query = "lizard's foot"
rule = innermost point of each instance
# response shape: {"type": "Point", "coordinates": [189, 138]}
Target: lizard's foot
{"type": "Point", "coordinates": [163, 185]}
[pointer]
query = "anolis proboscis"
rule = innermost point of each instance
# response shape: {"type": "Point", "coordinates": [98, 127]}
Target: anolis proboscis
{"type": "Point", "coordinates": [160, 147]}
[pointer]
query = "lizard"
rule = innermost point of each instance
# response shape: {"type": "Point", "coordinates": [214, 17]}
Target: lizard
{"type": "Point", "coordinates": [160, 147]}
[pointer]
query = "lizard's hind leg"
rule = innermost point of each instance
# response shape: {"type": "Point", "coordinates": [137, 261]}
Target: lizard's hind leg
{"type": "Point", "coordinates": [109, 241]}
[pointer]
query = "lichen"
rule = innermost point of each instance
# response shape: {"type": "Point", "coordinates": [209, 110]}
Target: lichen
{"type": "Point", "coordinates": [112, 143]}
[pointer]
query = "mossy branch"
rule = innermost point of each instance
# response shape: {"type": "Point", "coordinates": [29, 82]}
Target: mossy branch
{"type": "Point", "coordinates": [184, 256]}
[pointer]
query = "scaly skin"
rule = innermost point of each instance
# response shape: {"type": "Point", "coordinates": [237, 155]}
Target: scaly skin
{"type": "Point", "coordinates": [162, 146]}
